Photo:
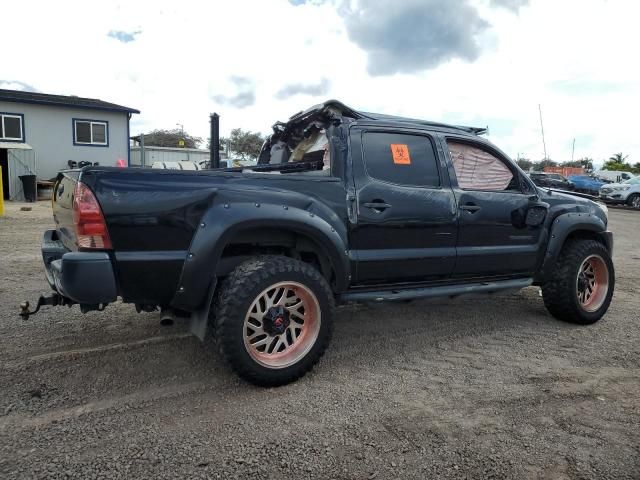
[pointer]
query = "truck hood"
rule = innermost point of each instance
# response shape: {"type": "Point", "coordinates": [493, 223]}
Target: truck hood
{"type": "Point", "coordinates": [562, 201]}
{"type": "Point", "coordinates": [569, 194]}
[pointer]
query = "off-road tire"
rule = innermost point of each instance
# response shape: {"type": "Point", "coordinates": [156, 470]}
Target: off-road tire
{"type": "Point", "coordinates": [634, 200]}
{"type": "Point", "coordinates": [560, 291]}
{"type": "Point", "coordinates": [237, 294]}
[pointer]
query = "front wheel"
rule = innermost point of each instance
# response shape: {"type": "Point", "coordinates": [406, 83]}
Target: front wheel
{"type": "Point", "coordinates": [634, 200]}
{"type": "Point", "coordinates": [273, 319]}
{"type": "Point", "coordinates": [581, 285]}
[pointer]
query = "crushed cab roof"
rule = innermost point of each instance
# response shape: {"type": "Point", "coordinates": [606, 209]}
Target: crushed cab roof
{"type": "Point", "coordinates": [335, 105]}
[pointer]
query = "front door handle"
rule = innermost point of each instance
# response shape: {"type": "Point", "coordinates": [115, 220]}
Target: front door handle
{"type": "Point", "coordinates": [378, 206]}
{"type": "Point", "coordinates": [470, 207]}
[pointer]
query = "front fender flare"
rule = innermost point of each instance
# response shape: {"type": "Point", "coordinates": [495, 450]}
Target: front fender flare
{"type": "Point", "coordinates": [223, 221]}
{"type": "Point", "coordinates": [564, 225]}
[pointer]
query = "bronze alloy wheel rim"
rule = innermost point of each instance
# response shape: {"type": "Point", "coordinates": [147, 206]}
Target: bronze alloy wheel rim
{"type": "Point", "coordinates": [592, 283]}
{"type": "Point", "coordinates": [282, 325]}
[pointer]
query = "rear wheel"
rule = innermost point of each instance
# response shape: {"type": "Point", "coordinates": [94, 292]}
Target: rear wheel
{"type": "Point", "coordinates": [273, 319]}
{"type": "Point", "coordinates": [582, 283]}
{"type": "Point", "coordinates": [634, 200]}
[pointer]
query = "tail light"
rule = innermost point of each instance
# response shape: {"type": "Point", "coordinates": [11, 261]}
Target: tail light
{"type": "Point", "coordinates": [91, 229]}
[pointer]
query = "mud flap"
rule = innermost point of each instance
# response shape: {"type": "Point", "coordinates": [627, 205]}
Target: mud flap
{"type": "Point", "coordinates": [200, 318]}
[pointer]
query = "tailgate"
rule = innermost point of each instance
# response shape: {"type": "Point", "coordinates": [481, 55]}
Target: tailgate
{"type": "Point", "coordinates": [63, 207]}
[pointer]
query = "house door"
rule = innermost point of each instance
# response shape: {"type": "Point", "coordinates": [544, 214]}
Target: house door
{"type": "Point", "coordinates": [4, 164]}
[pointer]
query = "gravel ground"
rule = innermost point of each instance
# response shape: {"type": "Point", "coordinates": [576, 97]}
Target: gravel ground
{"type": "Point", "coordinates": [481, 388]}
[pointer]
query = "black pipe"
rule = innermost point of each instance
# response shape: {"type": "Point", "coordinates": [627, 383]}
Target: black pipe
{"type": "Point", "coordinates": [214, 144]}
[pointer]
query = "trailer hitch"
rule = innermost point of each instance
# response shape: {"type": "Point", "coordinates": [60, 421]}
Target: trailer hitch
{"type": "Point", "coordinates": [53, 300]}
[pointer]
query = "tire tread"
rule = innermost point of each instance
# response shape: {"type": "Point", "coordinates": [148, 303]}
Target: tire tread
{"type": "Point", "coordinates": [230, 301]}
{"type": "Point", "coordinates": [558, 292]}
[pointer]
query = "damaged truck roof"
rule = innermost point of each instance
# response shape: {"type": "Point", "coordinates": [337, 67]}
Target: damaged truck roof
{"type": "Point", "coordinates": [335, 107]}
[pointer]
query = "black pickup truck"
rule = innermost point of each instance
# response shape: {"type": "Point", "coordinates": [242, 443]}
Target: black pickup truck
{"type": "Point", "coordinates": [342, 206]}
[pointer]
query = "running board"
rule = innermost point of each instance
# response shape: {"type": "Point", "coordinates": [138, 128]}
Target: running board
{"type": "Point", "coordinates": [436, 291]}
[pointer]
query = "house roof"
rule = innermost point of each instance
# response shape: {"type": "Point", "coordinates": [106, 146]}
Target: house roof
{"type": "Point", "coordinates": [19, 96]}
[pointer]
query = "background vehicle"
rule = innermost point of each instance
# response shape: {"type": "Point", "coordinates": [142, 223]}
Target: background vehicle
{"type": "Point", "coordinates": [626, 192]}
{"type": "Point", "coordinates": [551, 180]}
{"type": "Point", "coordinates": [586, 184]}
{"type": "Point", "coordinates": [613, 176]}
{"type": "Point", "coordinates": [177, 165]}
{"type": "Point", "coordinates": [343, 206]}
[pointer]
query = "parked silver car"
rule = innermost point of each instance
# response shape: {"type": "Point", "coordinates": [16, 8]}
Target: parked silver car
{"type": "Point", "coordinates": [626, 192]}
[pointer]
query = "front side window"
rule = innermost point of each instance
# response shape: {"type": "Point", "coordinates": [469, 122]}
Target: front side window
{"type": "Point", "coordinates": [11, 127]}
{"type": "Point", "coordinates": [90, 132]}
{"type": "Point", "coordinates": [400, 158]}
{"type": "Point", "coordinates": [477, 169]}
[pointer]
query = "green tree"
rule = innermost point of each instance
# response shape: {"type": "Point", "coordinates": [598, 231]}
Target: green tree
{"type": "Point", "coordinates": [539, 166]}
{"type": "Point", "coordinates": [614, 165]}
{"type": "Point", "coordinates": [618, 158]}
{"type": "Point", "coordinates": [525, 164]}
{"type": "Point", "coordinates": [586, 163]}
{"type": "Point", "coordinates": [242, 144]}
{"type": "Point", "coordinates": [170, 138]}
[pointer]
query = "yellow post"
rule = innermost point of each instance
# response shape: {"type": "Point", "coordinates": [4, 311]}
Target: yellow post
{"type": "Point", "coordinates": [1, 196]}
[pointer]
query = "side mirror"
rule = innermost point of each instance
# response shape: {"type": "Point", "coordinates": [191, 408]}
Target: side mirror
{"type": "Point", "coordinates": [532, 216]}
{"type": "Point", "coordinates": [535, 216]}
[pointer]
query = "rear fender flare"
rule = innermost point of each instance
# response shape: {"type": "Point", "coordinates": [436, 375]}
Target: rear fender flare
{"type": "Point", "coordinates": [223, 221]}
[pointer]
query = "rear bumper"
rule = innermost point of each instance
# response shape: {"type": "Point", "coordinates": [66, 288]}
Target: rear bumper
{"type": "Point", "coordinates": [84, 277]}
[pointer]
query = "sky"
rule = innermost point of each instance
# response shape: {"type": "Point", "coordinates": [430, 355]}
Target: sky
{"type": "Point", "coordinates": [471, 62]}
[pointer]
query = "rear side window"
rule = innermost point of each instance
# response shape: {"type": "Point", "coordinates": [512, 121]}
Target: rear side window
{"type": "Point", "coordinates": [477, 169]}
{"type": "Point", "coordinates": [400, 158]}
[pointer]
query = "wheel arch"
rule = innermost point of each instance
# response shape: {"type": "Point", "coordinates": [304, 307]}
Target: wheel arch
{"type": "Point", "coordinates": [567, 227]}
{"type": "Point", "coordinates": [222, 226]}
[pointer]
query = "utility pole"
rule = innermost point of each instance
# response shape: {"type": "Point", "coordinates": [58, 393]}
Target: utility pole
{"type": "Point", "coordinates": [544, 144]}
{"type": "Point", "coordinates": [573, 149]}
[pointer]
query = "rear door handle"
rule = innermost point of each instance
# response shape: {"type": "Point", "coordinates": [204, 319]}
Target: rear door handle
{"type": "Point", "coordinates": [377, 206]}
{"type": "Point", "coordinates": [470, 207]}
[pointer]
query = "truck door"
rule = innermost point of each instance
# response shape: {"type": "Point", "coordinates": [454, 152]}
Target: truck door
{"type": "Point", "coordinates": [405, 224]}
{"type": "Point", "coordinates": [493, 200]}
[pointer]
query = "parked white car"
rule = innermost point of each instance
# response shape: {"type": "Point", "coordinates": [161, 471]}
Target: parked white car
{"type": "Point", "coordinates": [176, 165]}
{"type": "Point", "coordinates": [626, 192]}
{"type": "Point", "coordinates": [614, 175]}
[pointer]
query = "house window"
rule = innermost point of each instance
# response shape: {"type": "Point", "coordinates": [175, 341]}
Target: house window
{"type": "Point", "coordinates": [11, 127]}
{"type": "Point", "coordinates": [90, 132]}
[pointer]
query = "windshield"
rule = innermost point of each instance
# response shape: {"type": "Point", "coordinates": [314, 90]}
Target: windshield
{"type": "Point", "coordinates": [633, 181]}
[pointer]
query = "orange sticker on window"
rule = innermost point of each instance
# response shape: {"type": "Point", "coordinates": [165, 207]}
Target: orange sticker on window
{"type": "Point", "coordinates": [400, 154]}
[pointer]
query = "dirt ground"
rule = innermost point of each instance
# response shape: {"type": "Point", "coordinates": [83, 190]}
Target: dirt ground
{"type": "Point", "coordinates": [481, 388]}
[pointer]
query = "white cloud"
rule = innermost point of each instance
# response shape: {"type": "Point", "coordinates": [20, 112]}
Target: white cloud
{"type": "Point", "coordinates": [575, 57]}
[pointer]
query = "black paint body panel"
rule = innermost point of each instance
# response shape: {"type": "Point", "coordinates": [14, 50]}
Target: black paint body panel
{"type": "Point", "coordinates": [169, 228]}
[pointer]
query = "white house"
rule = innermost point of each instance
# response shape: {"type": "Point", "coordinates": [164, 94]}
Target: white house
{"type": "Point", "coordinates": [41, 133]}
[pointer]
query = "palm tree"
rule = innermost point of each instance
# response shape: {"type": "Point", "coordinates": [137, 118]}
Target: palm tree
{"type": "Point", "coordinates": [618, 158]}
